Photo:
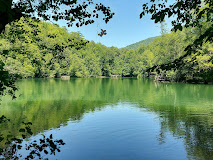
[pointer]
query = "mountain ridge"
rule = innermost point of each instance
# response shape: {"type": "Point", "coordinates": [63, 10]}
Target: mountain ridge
{"type": "Point", "coordinates": [145, 42]}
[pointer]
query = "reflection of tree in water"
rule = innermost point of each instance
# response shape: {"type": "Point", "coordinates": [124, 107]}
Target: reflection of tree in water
{"type": "Point", "coordinates": [184, 110]}
{"type": "Point", "coordinates": [199, 140]}
{"type": "Point", "coordinates": [196, 130]}
{"type": "Point", "coordinates": [48, 114]}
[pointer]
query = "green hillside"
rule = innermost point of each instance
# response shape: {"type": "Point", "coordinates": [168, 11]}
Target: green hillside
{"type": "Point", "coordinates": [48, 51]}
{"type": "Point", "coordinates": [145, 42]}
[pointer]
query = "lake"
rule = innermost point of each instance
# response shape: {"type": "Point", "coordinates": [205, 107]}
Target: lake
{"type": "Point", "coordinates": [116, 119]}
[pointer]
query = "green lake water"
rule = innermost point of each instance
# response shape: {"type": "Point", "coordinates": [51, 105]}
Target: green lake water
{"type": "Point", "coordinates": [116, 119]}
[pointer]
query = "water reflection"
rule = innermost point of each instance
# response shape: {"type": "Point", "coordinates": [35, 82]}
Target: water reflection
{"type": "Point", "coordinates": [183, 110]}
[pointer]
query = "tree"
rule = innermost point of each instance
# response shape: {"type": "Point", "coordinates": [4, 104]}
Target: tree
{"type": "Point", "coordinates": [7, 80]}
{"type": "Point", "coordinates": [163, 28]}
{"type": "Point", "coordinates": [76, 11]}
{"type": "Point", "coordinates": [186, 14]}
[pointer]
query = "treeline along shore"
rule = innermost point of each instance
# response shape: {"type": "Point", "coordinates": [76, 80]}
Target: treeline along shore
{"type": "Point", "coordinates": [37, 49]}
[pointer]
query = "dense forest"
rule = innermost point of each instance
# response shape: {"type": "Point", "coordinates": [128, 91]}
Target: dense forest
{"type": "Point", "coordinates": [39, 49]}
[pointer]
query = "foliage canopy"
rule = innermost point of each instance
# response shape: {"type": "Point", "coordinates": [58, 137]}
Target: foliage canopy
{"type": "Point", "coordinates": [186, 13]}
{"type": "Point", "coordinates": [54, 52]}
{"type": "Point", "coordinates": [73, 11]}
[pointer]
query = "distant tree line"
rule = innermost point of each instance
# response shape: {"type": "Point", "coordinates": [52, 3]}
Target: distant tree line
{"type": "Point", "coordinates": [31, 48]}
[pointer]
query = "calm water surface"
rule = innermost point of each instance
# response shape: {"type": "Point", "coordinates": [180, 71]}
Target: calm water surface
{"type": "Point", "coordinates": [116, 119]}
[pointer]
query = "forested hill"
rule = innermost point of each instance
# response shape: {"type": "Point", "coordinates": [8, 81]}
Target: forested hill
{"type": "Point", "coordinates": [145, 42]}
{"type": "Point", "coordinates": [39, 49]}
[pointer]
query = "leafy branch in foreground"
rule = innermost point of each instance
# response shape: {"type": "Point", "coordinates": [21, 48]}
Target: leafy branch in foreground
{"type": "Point", "coordinates": [7, 81]}
{"type": "Point", "coordinates": [72, 11]}
{"type": "Point", "coordinates": [185, 13]}
{"type": "Point", "coordinates": [190, 49]}
{"type": "Point", "coordinates": [11, 144]}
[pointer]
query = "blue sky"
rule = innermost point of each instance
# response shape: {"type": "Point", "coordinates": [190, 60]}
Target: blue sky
{"type": "Point", "coordinates": [124, 28]}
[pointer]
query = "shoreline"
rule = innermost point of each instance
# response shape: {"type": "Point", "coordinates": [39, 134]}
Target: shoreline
{"type": "Point", "coordinates": [105, 77]}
